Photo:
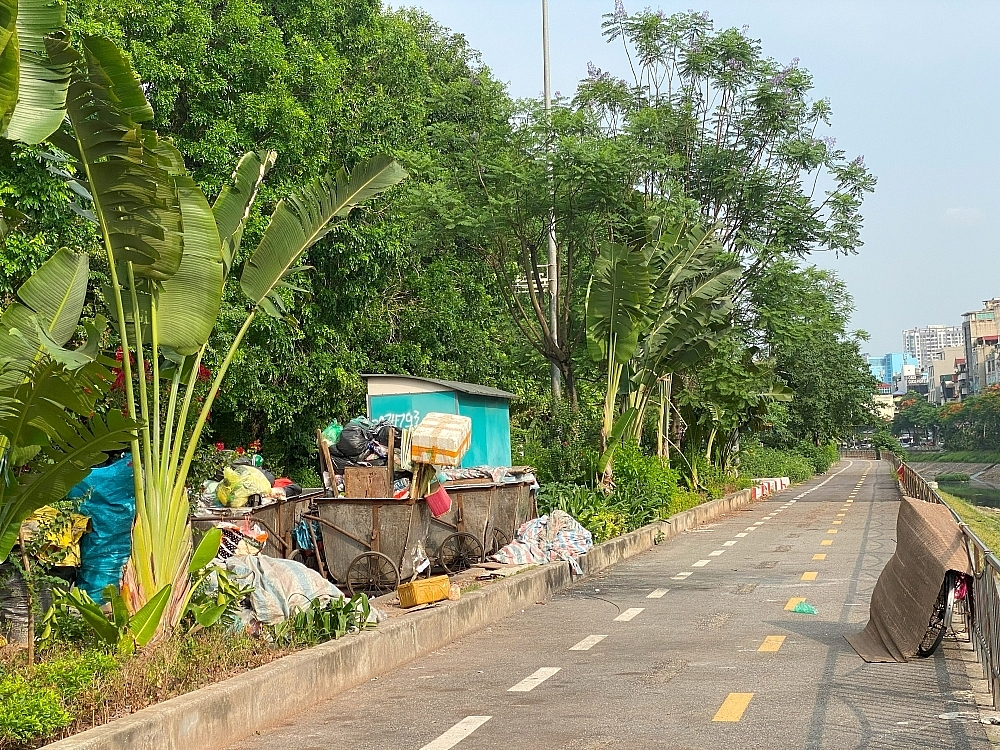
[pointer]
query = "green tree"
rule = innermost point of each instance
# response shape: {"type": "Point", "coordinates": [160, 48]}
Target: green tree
{"type": "Point", "coordinates": [801, 318]}
{"type": "Point", "coordinates": [916, 413]}
{"type": "Point", "coordinates": [736, 131]}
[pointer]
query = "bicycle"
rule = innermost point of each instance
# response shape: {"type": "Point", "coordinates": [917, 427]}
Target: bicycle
{"type": "Point", "coordinates": [954, 589]}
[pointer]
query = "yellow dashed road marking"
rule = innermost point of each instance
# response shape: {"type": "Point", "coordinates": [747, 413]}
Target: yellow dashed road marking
{"type": "Point", "coordinates": [733, 707]}
{"type": "Point", "coordinates": [809, 575]}
{"type": "Point", "coordinates": [795, 600]}
{"type": "Point", "coordinates": [832, 531]}
{"type": "Point", "coordinates": [836, 522]}
{"type": "Point", "coordinates": [772, 643]}
{"type": "Point", "coordinates": [819, 556]}
{"type": "Point", "coordinates": [826, 542]}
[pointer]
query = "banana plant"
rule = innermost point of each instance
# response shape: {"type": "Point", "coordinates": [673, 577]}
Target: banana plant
{"type": "Point", "coordinates": [50, 436]}
{"type": "Point", "coordinates": [123, 630]}
{"type": "Point", "coordinates": [618, 297]}
{"type": "Point", "coordinates": [692, 280]}
{"type": "Point", "coordinates": [652, 312]}
{"type": "Point", "coordinates": [169, 254]}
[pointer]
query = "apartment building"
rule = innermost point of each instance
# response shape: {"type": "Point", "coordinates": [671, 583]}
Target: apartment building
{"type": "Point", "coordinates": [981, 329]}
{"type": "Point", "coordinates": [942, 375]}
{"type": "Point", "coordinates": [923, 343]}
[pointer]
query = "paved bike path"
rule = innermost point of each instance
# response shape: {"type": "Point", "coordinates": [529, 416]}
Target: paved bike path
{"type": "Point", "coordinates": [690, 645]}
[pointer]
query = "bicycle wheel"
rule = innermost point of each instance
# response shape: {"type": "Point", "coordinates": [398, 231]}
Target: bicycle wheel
{"type": "Point", "coordinates": [940, 617]}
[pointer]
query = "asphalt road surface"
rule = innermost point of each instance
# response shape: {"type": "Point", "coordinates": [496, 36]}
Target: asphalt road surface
{"type": "Point", "coordinates": [690, 645]}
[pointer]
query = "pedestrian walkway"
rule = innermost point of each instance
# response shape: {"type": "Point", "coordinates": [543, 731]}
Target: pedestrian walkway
{"type": "Point", "coordinates": [695, 644]}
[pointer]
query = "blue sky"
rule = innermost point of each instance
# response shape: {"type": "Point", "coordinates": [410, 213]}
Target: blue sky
{"type": "Point", "coordinates": [915, 88]}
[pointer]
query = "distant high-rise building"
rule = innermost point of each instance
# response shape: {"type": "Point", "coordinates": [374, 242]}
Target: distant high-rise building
{"type": "Point", "coordinates": [924, 343]}
{"type": "Point", "coordinates": [889, 366]}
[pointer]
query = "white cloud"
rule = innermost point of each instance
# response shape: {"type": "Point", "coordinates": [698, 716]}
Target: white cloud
{"type": "Point", "coordinates": [963, 217]}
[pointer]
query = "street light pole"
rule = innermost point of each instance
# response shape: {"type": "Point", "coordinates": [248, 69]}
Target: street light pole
{"type": "Point", "coordinates": [553, 271]}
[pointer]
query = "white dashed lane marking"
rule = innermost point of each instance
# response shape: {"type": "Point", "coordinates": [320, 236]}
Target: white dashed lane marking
{"type": "Point", "coordinates": [457, 733]}
{"type": "Point", "coordinates": [587, 643]}
{"type": "Point", "coordinates": [629, 614]}
{"type": "Point", "coordinates": [681, 576]}
{"type": "Point", "coordinates": [657, 593]}
{"type": "Point", "coordinates": [700, 563]}
{"type": "Point", "coordinates": [533, 680]}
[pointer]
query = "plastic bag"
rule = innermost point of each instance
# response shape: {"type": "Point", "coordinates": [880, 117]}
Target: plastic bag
{"type": "Point", "coordinates": [332, 432]}
{"type": "Point", "coordinates": [354, 438]}
{"type": "Point", "coordinates": [358, 435]}
{"type": "Point", "coordinates": [109, 499]}
{"type": "Point", "coordinates": [239, 484]}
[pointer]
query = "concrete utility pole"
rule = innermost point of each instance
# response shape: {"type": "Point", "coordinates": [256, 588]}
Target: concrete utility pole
{"type": "Point", "coordinates": [553, 274]}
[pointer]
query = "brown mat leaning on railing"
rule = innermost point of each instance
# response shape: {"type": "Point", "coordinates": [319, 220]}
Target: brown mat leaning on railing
{"type": "Point", "coordinates": [928, 544]}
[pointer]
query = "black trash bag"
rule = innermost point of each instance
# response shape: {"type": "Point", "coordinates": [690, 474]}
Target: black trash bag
{"type": "Point", "coordinates": [353, 439]}
{"type": "Point", "coordinates": [359, 433]}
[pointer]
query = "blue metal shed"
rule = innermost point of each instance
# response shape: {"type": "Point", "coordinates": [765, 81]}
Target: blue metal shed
{"type": "Point", "coordinates": [405, 399]}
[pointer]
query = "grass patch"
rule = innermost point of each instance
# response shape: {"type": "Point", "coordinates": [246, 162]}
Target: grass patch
{"type": "Point", "coordinates": [73, 689]}
{"type": "Point", "coordinates": [954, 457]}
{"type": "Point", "coordinates": [984, 524]}
{"type": "Point", "coordinates": [952, 476]}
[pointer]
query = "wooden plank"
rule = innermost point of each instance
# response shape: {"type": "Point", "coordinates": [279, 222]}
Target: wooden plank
{"type": "Point", "coordinates": [367, 482]}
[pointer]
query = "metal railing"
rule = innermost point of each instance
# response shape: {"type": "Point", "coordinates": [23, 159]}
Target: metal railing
{"type": "Point", "coordinates": [984, 613]}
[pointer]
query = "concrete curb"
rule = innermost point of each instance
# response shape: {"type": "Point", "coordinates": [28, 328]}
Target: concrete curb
{"type": "Point", "coordinates": [222, 714]}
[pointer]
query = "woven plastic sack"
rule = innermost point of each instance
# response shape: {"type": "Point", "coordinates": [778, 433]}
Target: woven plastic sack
{"type": "Point", "coordinates": [109, 499]}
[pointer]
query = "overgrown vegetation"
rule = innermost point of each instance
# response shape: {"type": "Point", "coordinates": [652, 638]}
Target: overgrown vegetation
{"type": "Point", "coordinates": [953, 457]}
{"type": "Point", "coordinates": [984, 524]}
{"type": "Point", "coordinates": [73, 688]}
{"type": "Point", "coordinates": [952, 476]}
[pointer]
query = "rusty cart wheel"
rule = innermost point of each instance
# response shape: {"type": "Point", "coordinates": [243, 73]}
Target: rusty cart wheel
{"type": "Point", "coordinates": [500, 540]}
{"type": "Point", "coordinates": [372, 573]}
{"type": "Point", "coordinates": [306, 557]}
{"type": "Point", "coordinates": [459, 552]}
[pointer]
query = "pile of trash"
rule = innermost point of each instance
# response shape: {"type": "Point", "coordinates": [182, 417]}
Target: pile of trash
{"type": "Point", "coordinates": [556, 536]}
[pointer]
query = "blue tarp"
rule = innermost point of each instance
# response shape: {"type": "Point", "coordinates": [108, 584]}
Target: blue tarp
{"type": "Point", "coordinates": [109, 499]}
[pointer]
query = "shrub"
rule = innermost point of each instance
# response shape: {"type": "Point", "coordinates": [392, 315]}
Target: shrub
{"type": "Point", "coordinates": [595, 510]}
{"type": "Point", "coordinates": [757, 461]}
{"type": "Point", "coordinates": [643, 480]}
{"type": "Point", "coordinates": [33, 704]}
{"type": "Point", "coordinates": [560, 444]}
{"type": "Point", "coordinates": [645, 490]}
{"type": "Point", "coordinates": [822, 457]}
{"type": "Point", "coordinates": [29, 711]}
{"type": "Point", "coordinates": [952, 476]}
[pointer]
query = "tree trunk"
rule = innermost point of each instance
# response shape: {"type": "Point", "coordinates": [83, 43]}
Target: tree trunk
{"type": "Point", "coordinates": [31, 599]}
{"type": "Point", "coordinates": [569, 378]}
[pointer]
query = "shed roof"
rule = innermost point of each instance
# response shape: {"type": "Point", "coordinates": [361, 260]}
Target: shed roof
{"type": "Point", "coordinates": [473, 389]}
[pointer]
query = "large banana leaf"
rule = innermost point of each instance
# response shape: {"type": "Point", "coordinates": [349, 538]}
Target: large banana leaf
{"type": "Point", "coordinates": [52, 300]}
{"type": "Point", "coordinates": [55, 293]}
{"type": "Point", "coordinates": [135, 197]}
{"type": "Point", "coordinates": [71, 446]}
{"type": "Point", "coordinates": [187, 304]}
{"type": "Point", "coordinates": [43, 70]}
{"type": "Point", "coordinates": [108, 66]}
{"type": "Point", "coordinates": [306, 217]}
{"type": "Point", "coordinates": [617, 300]}
{"type": "Point", "coordinates": [10, 56]}
{"type": "Point", "coordinates": [232, 207]}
